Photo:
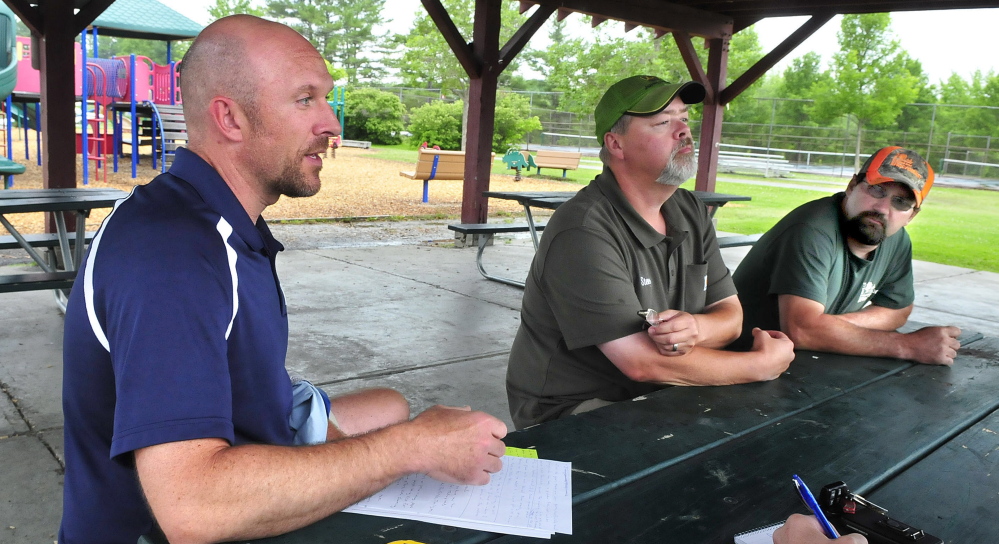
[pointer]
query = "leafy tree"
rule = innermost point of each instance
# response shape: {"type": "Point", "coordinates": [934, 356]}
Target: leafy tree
{"type": "Point", "coordinates": [744, 52]}
{"type": "Point", "coordinates": [427, 60]}
{"type": "Point", "coordinates": [869, 79]}
{"type": "Point", "coordinates": [373, 115]}
{"type": "Point", "coordinates": [155, 50]}
{"type": "Point", "coordinates": [437, 123]}
{"type": "Point", "coordinates": [225, 8]}
{"type": "Point", "coordinates": [342, 31]}
{"type": "Point", "coordinates": [513, 121]}
{"type": "Point", "coordinates": [912, 118]}
{"type": "Point", "coordinates": [584, 70]}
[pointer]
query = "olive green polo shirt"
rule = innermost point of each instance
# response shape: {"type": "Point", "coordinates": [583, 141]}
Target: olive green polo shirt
{"type": "Point", "coordinates": [806, 254]}
{"type": "Point", "coordinates": [597, 265]}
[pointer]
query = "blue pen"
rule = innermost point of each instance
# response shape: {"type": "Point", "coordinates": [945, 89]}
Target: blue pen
{"type": "Point", "coordinates": [813, 505]}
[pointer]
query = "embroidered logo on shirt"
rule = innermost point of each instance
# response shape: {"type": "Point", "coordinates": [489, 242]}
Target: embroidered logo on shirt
{"type": "Point", "coordinates": [644, 281]}
{"type": "Point", "coordinates": [867, 292]}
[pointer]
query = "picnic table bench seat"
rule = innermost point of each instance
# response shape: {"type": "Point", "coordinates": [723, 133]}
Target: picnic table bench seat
{"type": "Point", "coordinates": [11, 283]}
{"type": "Point", "coordinates": [566, 160]}
{"type": "Point", "coordinates": [48, 239]}
{"type": "Point", "coordinates": [485, 232]}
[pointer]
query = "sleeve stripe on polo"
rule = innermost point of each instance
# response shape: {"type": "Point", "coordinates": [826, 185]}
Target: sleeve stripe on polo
{"type": "Point", "coordinates": [225, 229]}
{"type": "Point", "coordinates": [88, 278]}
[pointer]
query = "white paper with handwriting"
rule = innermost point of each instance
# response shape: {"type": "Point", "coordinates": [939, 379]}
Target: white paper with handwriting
{"type": "Point", "coordinates": [529, 497]}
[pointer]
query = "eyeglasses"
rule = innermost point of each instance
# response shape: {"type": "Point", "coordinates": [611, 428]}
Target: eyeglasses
{"type": "Point", "coordinates": [900, 203]}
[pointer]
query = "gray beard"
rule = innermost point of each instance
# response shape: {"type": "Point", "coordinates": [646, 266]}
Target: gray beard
{"type": "Point", "coordinates": [678, 171]}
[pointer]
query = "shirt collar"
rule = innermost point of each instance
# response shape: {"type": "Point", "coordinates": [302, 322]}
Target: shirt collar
{"type": "Point", "coordinates": [190, 167]}
{"type": "Point", "coordinates": [639, 227]}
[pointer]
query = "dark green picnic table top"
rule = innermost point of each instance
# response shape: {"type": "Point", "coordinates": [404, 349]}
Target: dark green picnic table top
{"type": "Point", "coordinates": [699, 464]}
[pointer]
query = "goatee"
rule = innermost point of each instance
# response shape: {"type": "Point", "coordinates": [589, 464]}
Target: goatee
{"type": "Point", "coordinates": [680, 168]}
{"type": "Point", "coordinates": [869, 233]}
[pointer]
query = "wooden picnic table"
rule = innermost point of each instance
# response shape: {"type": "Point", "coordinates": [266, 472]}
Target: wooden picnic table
{"type": "Point", "coordinates": [699, 464]}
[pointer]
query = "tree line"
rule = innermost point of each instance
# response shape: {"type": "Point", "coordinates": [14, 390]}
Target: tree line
{"type": "Point", "coordinates": [871, 86]}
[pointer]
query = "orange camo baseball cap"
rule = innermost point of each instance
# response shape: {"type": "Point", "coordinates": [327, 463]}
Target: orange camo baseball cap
{"type": "Point", "coordinates": [905, 166]}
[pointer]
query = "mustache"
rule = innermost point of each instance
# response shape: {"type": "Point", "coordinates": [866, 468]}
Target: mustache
{"type": "Point", "coordinates": [318, 145]}
{"type": "Point", "coordinates": [688, 141]}
{"type": "Point", "coordinates": [873, 215]}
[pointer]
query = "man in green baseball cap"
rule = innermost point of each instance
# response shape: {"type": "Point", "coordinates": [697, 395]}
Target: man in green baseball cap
{"type": "Point", "coordinates": [630, 242]}
{"type": "Point", "coordinates": [641, 95]}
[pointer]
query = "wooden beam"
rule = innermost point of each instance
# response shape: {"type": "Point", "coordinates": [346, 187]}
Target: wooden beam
{"type": "Point", "coordinates": [690, 58]}
{"type": "Point", "coordinates": [628, 27]}
{"type": "Point", "coordinates": [772, 58]}
{"type": "Point", "coordinates": [481, 111]}
{"type": "Point", "coordinates": [666, 15]}
{"type": "Point", "coordinates": [28, 14]}
{"type": "Point", "coordinates": [462, 50]}
{"type": "Point", "coordinates": [596, 20]}
{"type": "Point", "coordinates": [58, 99]}
{"type": "Point", "coordinates": [90, 12]}
{"type": "Point", "coordinates": [711, 116]}
{"type": "Point", "coordinates": [523, 35]}
{"type": "Point", "coordinates": [562, 14]}
{"type": "Point", "coordinates": [524, 6]}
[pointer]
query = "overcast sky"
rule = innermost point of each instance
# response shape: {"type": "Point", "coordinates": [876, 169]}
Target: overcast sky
{"type": "Point", "coordinates": [945, 41]}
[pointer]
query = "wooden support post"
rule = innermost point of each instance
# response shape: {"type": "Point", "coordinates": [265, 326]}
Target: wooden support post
{"type": "Point", "coordinates": [713, 111]}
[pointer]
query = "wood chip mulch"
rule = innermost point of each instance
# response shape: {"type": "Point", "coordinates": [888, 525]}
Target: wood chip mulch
{"type": "Point", "coordinates": [354, 185]}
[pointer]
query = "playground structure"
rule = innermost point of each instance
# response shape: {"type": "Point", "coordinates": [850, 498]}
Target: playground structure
{"type": "Point", "coordinates": [114, 88]}
{"type": "Point", "coordinates": [130, 101]}
{"type": "Point", "coordinates": [8, 78]}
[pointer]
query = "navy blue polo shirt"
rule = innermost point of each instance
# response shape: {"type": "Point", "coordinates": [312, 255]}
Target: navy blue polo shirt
{"type": "Point", "coordinates": [176, 329]}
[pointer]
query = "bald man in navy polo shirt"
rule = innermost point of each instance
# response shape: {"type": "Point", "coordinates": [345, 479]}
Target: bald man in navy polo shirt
{"type": "Point", "coordinates": [176, 399]}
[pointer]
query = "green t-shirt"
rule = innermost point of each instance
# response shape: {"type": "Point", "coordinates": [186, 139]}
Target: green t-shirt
{"type": "Point", "coordinates": [598, 264]}
{"type": "Point", "coordinates": [805, 254]}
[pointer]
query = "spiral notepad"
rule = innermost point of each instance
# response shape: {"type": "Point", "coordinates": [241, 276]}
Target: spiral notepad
{"type": "Point", "coordinates": [763, 535]}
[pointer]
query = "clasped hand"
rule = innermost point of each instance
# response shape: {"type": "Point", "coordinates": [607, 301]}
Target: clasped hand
{"type": "Point", "coordinates": [674, 332]}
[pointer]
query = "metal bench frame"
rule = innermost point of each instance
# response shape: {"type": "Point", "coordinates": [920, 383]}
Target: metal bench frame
{"type": "Point", "coordinates": [485, 232]}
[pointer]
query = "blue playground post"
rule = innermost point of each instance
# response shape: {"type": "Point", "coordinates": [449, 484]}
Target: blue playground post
{"type": "Point", "coordinates": [338, 103]}
{"type": "Point", "coordinates": [38, 132]}
{"type": "Point", "coordinates": [83, 108]}
{"type": "Point", "coordinates": [10, 114]}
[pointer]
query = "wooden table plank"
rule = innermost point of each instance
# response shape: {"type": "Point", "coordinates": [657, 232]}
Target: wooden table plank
{"type": "Point", "coordinates": [865, 437]}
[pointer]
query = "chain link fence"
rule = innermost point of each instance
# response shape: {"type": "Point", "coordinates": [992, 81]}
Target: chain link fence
{"type": "Point", "coordinates": [789, 133]}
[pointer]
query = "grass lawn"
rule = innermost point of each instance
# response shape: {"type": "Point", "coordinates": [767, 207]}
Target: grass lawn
{"type": "Point", "coordinates": [958, 227]}
{"type": "Point", "coordinates": [955, 227]}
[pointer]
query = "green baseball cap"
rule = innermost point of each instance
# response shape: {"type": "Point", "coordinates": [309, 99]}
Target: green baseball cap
{"type": "Point", "coordinates": [641, 95]}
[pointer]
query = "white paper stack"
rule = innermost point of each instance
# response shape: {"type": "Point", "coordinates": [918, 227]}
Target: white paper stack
{"type": "Point", "coordinates": [529, 497]}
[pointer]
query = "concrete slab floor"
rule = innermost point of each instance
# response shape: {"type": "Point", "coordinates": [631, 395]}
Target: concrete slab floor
{"type": "Point", "coordinates": [369, 305]}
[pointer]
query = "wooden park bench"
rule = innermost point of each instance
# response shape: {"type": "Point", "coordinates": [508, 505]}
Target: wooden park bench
{"type": "Point", "coordinates": [566, 160]}
{"type": "Point", "coordinates": [363, 144]}
{"type": "Point", "coordinates": [438, 164]}
{"type": "Point", "coordinates": [484, 232]}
